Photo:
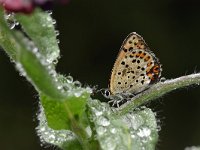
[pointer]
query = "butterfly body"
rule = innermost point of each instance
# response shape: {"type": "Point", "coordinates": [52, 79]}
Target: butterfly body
{"type": "Point", "coordinates": [135, 69]}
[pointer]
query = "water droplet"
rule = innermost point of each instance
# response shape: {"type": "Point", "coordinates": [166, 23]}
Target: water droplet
{"type": "Point", "coordinates": [35, 50]}
{"type": "Point", "coordinates": [110, 143]}
{"type": "Point", "coordinates": [133, 121]}
{"type": "Point", "coordinates": [55, 61]}
{"type": "Point", "coordinates": [12, 26]}
{"type": "Point", "coordinates": [59, 87]}
{"type": "Point", "coordinates": [42, 129]}
{"type": "Point", "coordinates": [57, 32]}
{"type": "Point", "coordinates": [44, 62]}
{"type": "Point", "coordinates": [133, 135]}
{"type": "Point", "coordinates": [144, 132]}
{"type": "Point", "coordinates": [98, 112]}
{"type": "Point", "coordinates": [49, 12]}
{"type": "Point", "coordinates": [38, 55]}
{"type": "Point", "coordinates": [103, 121]}
{"type": "Point", "coordinates": [158, 128]}
{"type": "Point", "coordinates": [69, 79]}
{"type": "Point", "coordinates": [113, 130]}
{"type": "Point", "coordinates": [101, 130]}
{"type": "Point", "coordinates": [21, 69]}
{"type": "Point", "coordinates": [53, 21]}
{"type": "Point", "coordinates": [78, 93]}
{"type": "Point", "coordinates": [51, 136]}
{"type": "Point", "coordinates": [10, 19]}
{"type": "Point", "coordinates": [77, 84]}
{"type": "Point", "coordinates": [89, 131]}
{"type": "Point", "coordinates": [163, 79]}
{"type": "Point", "coordinates": [52, 73]}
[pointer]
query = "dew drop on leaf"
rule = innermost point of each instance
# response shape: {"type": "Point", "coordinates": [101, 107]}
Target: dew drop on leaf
{"type": "Point", "coordinates": [57, 32]}
{"type": "Point", "coordinates": [10, 19]}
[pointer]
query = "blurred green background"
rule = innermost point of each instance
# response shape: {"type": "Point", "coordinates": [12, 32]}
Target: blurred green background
{"type": "Point", "coordinates": [91, 33]}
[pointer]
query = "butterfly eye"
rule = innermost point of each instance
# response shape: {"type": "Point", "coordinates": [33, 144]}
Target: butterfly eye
{"type": "Point", "coordinates": [107, 93]}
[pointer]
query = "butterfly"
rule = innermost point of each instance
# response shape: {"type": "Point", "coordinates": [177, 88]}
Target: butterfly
{"type": "Point", "coordinates": [135, 70]}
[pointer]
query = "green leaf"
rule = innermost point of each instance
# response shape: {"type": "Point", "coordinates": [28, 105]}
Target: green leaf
{"type": "Point", "coordinates": [64, 139]}
{"type": "Point", "coordinates": [28, 62]}
{"type": "Point", "coordinates": [111, 134]}
{"type": "Point", "coordinates": [7, 40]}
{"type": "Point", "coordinates": [39, 26]}
{"type": "Point", "coordinates": [61, 114]}
{"type": "Point", "coordinates": [135, 130]}
{"type": "Point", "coordinates": [142, 125]}
{"type": "Point", "coordinates": [63, 100]}
{"type": "Point", "coordinates": [68, 114]}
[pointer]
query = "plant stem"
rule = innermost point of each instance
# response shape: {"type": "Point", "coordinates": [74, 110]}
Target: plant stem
{"type": "Point", "coordinates": [77, 129]}
{"type": "Point", "coordinates": [156, 91]}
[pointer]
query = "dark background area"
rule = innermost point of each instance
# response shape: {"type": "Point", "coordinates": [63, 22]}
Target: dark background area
{"type": "Point", "coordinates": [91, 33]}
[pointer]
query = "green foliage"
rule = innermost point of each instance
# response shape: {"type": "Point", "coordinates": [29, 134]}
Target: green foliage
{"type": "Point", "coordinates": [40, 28]}
{"type": "Point", "coordinates": [63, 101]}
{"type": "Point", "coordinates": [61, 115]}
{"type": "Point", "coordinates": [68, 117]}
{"type": "Point", "coordinates": [135, 130]}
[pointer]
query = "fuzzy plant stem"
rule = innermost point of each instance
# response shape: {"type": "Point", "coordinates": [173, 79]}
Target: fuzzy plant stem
{"type": "Point", "coordinates": [157, 91]}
